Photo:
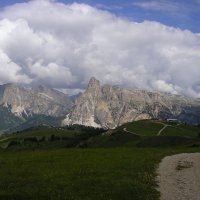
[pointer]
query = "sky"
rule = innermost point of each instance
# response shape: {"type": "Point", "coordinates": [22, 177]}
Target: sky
{"type": "Point", "coordinates": [146, 44]}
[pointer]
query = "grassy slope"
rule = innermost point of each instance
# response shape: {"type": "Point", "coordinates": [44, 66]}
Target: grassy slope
{"type": "Point", "coordinates": [44, 132]}
{"type": "Point", "coordinates": [181, 135]}
{"type": "Point", "coordinates": [124, 139]}
{"type": "Point", "coordinates": [48, 137]}
{"type": "Point", "coordinates": [171, 136]}
{"type": "Point", "coordinates": [116, 139]}
{"type": "Point", "coordinates": [179, 131]}
{"type": "Point", "coordinates": [151, 128]}
{"type": "Point", "coordinates": [123, 172]}
{"type": "Point", "coordinates": [75, 174]}
{"type": "Point", "coordinates": [37, 133]}
{"type": "Point", "coordinates": [143, 127]}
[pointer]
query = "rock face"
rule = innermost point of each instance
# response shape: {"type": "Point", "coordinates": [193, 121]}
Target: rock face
{"type": "Point", "coordinates": [41, 100]}
{"type": "Point", "coordinates": [110, 106]}
{"type": "Point", "coordinates": [99, 106]}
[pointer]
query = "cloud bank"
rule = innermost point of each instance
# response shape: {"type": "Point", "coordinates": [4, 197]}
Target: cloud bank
{"type": "Point", "coordinates": [63, 45]}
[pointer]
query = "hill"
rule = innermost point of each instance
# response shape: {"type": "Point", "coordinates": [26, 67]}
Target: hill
{"type": "Point", "coordinates": [143, 133]}
{"type": "Point", "coordinates": [148, 133]}
{"type": "Point", "coordinates": [84, 163]}
{"type": "Point", "coordinates": [161, 128]}
{"type": "Point", "coordinates": [46, 137]}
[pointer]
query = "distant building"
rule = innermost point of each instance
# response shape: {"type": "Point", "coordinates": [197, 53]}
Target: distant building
{"type": "Point", "coordinates": [172, 120]}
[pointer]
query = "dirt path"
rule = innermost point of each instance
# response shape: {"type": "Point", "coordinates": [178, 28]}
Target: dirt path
{"type": "Point", "coordinates": [162, 129]}
{"type": "Point", "coordinates": [179, 177]}
{"type": "Point", "coordinates": [125, 130]}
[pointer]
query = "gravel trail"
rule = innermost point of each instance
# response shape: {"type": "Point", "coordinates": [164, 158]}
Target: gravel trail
{"type": "Point", "coordinates": [179, 177]}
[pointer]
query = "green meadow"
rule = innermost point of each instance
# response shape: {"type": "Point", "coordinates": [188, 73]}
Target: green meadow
{"type": "Point", "coordinates": [81, 174]}
{"type": "Point", "coordinates": [77, 163]}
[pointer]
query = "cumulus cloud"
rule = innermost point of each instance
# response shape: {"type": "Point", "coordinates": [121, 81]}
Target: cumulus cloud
{"type": "Point", "coordinates": [10, 71]}
{"type": "Point", "coordinates": [63, 45]}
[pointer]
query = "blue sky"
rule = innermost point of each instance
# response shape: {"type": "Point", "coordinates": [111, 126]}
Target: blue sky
{"type": "Point", "coordinates": [184, 14]}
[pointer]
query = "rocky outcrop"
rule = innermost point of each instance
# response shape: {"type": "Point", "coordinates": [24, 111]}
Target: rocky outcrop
{"type": "Point", "coordinates": [40, 100]}
{"type": "Point", "coordinates": [99, 106]}
{"type": "Point", "coordinates": [110, 106]}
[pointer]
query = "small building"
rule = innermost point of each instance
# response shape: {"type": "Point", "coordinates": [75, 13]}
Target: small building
{"type": "Point", "coordinates": [172, 120]}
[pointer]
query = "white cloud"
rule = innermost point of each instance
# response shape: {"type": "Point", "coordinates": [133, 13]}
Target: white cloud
{"type": "Point", "coordinates": [163, 86]}
{"type": "Point", "coordinates": [51, 73]}
{"type": "Point", "coordinates": [64, 45]}
{"type": "Point", "coordinates": [158, 5]}
{"type": "Point", "coordinates": [10, 71]}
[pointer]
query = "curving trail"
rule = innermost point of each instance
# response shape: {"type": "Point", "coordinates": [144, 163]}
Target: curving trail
{"type": "Point", "coordinates": [162, 129]}
{"type": "Point", "coordinates": [125, 130]}
{"type": "Point", "coordinates": [179, 177]}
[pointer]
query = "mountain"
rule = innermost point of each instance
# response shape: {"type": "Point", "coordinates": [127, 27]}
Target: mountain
{"type": "Point", "coordinates": [99, 106]}
{"type": "Point", "coordinates": [8, 119]}
{"type": "Point", "coordinates": [110, 106]}
{"type": "Point", "coordinates": [76, 96]}
{"type": "Point", "coordinates": [18, 104]}
{"type": "Point", "coordinates": [38, 100]}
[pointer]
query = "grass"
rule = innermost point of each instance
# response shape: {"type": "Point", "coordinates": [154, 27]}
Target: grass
{"type": "Point", "coordinates": [52, 137]}
{"type": "Point", "coordinates": [152, 127]}
{"type": "Point", "coordinates": [81, 174]}
{"type": "Point", "coordinates": [48, 137]}
{"type": "Point", "coordinates": [190, 127]}
{"type": "Point", "coordinates": [45, 132]}
{"type": "Point", "coordinates": [167, 141]}
{"type": "Point", "coordinates": [116, 139]}
{"type": "Point", "coordinates": [173, 135]}
{"type": "Point", "coordinates": [38, 134]}
{"type": "Point", "coordinates": [123, 139]}
{"type": "Point", "coordinates": [180, 131]}
{"type": "Point", "coordinates": [143, 127]}
{"type": "Point", "coordinates": [111, 166]}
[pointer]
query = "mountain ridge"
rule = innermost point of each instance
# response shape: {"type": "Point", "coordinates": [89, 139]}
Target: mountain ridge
{"type": "Point", "coordinates": [37, 100]}
{"type": "Point", "coordinates": [109, 106]}
{"type": "Point", "coordinates": [104, 106]}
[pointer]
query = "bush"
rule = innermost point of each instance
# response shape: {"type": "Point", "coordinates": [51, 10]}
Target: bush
{"type": "Point", "coordinates": [41, 139]}
{"type": "Point", "coordinates": [12, 143]}
{"type": "Point", "coordinates": [30, 139]}
{"type": "Point", "coordinates": [54, 138]}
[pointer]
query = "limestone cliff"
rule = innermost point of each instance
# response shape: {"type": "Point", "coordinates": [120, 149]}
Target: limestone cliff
{"type": "Point", "coordinates": [110, 106]}
{"type": "Point", "coordinates": [39, 100]}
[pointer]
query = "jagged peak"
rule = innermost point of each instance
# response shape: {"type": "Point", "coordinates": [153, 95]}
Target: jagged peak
{"type": "Point", "coordinates": [93, 83]}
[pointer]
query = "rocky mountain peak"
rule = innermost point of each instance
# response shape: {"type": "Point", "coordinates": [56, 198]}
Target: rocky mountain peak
{"type": "Point", "coordinates": [93, 84]}
{"type": "Point", "coordinates": [110, 106]}
{"type": "Point", "coordinates": [39, 100]}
